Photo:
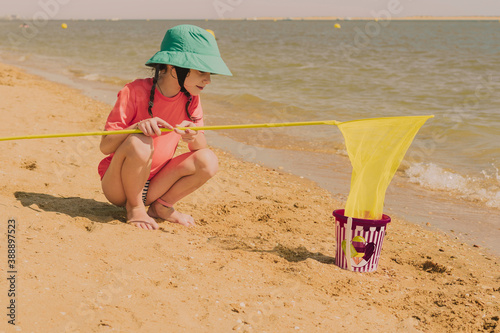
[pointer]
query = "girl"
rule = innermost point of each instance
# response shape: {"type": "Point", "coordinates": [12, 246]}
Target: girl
{"type": "Point", "coordinates": [140, 170]}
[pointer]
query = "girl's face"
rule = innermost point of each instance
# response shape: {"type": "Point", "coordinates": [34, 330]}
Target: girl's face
{"type": "Point", "coordinates": [196, 81]}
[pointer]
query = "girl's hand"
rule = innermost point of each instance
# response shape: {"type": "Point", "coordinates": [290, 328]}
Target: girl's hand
{"type": "Point", "coordinates": [188, 135]}
{"type": "Point", "coordinates": [152, 126]}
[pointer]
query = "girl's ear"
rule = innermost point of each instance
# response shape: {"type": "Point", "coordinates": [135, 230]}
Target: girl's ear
{"type": "Point", "coordinates": [171, 69]}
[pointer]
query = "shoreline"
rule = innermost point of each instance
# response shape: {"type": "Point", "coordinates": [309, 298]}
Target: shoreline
{"type": "Point", "coordinates": [260, 259]}
{"type": "Point", "coordinates": [427, 208]}
{"type": "Point", "coordinates": [345, 18]}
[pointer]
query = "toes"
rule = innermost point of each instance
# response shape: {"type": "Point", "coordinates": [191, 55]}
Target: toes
{"type": "Point", "coordinates": [170, 215]}
{"type": "Point", "coordinates": [145, 225]}
{"type": "Point", "coordinates": [188, 221]}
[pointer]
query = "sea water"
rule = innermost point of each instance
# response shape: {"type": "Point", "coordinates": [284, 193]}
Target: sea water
{"type": "Point", "coordinates": [308, 70]}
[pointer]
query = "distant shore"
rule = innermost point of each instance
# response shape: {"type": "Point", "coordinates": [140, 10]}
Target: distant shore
{"type": "Point", "coordinates": [308, 18]}
{"type": "Point", "coordinates": [342, 18]}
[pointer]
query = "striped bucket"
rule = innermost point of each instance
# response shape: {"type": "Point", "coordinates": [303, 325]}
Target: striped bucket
{"type": "Point", "coordinates": [359, 242]}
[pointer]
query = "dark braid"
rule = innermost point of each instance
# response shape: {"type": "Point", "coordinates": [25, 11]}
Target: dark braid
{"type": "Point", "coordinates": [182, 73]}
{"type": "Point", "coordinates": [190, 98]}
{"type": "Point", "coordinates": [153, 89]}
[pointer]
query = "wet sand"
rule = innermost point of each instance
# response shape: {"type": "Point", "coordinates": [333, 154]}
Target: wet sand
{"type": "Point", "coordinates": [470, 222]}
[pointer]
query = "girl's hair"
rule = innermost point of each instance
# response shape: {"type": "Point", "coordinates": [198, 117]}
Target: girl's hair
{"type": "Point", "coordinates": [182, 73]}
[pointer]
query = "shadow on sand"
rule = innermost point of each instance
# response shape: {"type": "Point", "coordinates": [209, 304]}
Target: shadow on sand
{"type": "Point", "coordinates": [101, 212]}
{"type": "Point", "coordinates": [290, 254]}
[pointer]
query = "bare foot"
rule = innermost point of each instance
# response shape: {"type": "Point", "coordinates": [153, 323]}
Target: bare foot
{"type": "Point", "coordinates": [138, 217]}
{"type": "Point", "coordinates": [157, 210]}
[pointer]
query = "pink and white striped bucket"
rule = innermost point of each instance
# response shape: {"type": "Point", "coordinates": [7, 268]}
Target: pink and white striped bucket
{"type": "Point", "coordinates": [359, 242]}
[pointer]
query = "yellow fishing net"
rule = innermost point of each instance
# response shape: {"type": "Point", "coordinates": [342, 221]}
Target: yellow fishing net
{"type": "Point", "coordinates": [376, 148]}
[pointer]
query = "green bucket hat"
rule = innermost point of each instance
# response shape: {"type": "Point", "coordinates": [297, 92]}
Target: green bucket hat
{"type": "Point", "coordinates": [189, 46]}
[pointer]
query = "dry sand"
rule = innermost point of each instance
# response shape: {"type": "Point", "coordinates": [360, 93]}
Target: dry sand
{"type": "Point", "coordinates": [261, 258]}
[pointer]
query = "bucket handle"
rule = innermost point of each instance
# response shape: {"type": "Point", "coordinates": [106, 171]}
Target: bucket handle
{"type": "Point", "coordinates": [348, 239]}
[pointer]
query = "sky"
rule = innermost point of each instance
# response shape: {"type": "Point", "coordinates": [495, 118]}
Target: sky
{"type": "Point", "coordinates": [217, 9]}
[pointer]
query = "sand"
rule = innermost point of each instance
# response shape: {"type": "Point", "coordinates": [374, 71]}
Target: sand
{"type": "Point", "coordinates": [261, 258]}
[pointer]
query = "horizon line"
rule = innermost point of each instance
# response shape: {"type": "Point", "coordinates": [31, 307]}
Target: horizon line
{"type": "Point", "coordinates": [14, 17]}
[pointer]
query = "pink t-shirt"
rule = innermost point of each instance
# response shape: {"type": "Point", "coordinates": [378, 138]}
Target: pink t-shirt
{"type": "Point", "coordinates": [132, 107]}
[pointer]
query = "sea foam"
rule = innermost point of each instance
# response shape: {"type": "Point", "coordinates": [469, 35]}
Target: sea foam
{"type": "Point", "coordinates": [484, 188]}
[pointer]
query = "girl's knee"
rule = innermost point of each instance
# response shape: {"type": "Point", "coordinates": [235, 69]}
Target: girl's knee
{"type": "Point", "coordinates": [139, 146]}
{"type": "Point", "coordinates": [207, 162]}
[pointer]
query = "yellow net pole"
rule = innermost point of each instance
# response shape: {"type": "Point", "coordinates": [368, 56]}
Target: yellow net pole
{"type": "Point", "coordinates": [132, 131]}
